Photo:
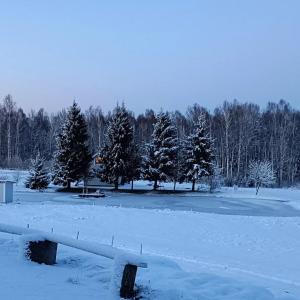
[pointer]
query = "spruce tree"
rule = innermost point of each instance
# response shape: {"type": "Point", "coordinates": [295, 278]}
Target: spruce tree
{"type": "Point", "coordinates": [160, 159]}
{"type": "Point", "coordinates": [38, 178]}
{"type": "Point", "coordinates": [72, 158]}
{"type": "Point", "coordinates": [181, 162]}
{"type": "Point", "coordinates": [116, 152]}
{"type": "Point", "coordinates": [149, 170]}
{"type": "Point", "coordinates": [134, 163]}
{"type": "Point", "coordinates": [198, 155]}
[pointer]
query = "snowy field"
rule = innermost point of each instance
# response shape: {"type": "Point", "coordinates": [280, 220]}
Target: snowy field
{"type": "Point", "coordinates": [231, 245]}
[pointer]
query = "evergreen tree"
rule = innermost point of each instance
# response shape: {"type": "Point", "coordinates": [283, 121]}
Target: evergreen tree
{"type": "Point", "coordinates": [198, 154]}
{"type": "Point", "coordinates": [148, 171]}
{"type": "Point", "coordinates": [183, 156]}
{"type": "Point", "coordinates": [116, 152]}
{"type": "Point", "coordinates": [160, 159]}
{"type": "Point", "coordinates": [72, 158]}
{"type": "Point", "coordinates": [180, 163]}
{"type": "Point", "coordinates": [38, 178]}
{"type": "Point", "coordinates": [134, 163]}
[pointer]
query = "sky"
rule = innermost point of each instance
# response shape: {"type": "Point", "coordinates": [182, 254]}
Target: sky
{"type": "Point", "coordinates": [149, 54]}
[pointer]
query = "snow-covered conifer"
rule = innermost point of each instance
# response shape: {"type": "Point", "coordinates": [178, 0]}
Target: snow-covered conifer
{"type": "Point", "coordinates": [160, 158]}
{"type": "Point", "coordinates": [180, 162]}
{"type": "Point", "coordinates": [198, 153]}
{"type": "Point", "coordinates": [38, 178]}
{"type": "Point", "coordinates": [116, 152]}
{"type": "Point", "coordinates": [72, 158]}
{"type": "Point", "coordinates": [134, 163]}
{"type": "Point", "coordinates": [261, 174]}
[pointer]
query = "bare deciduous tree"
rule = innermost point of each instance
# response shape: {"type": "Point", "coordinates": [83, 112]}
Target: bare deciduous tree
{"type": "Point", "coordinates": [261, 173]}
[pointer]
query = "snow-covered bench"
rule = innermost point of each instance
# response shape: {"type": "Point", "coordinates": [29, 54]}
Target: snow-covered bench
{"type": "Point", "coordinates": [41, 247]}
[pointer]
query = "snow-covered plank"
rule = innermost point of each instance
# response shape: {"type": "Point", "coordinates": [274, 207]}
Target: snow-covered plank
{"type": "Point", "coordinates": [91, 247]}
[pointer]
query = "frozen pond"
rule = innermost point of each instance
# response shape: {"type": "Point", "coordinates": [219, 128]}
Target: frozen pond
{"type": "Point", "coordinates": [177, 202]}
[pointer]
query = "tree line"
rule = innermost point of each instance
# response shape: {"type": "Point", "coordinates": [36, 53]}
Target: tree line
{"type": "Point", "coordinates": [240, 133]}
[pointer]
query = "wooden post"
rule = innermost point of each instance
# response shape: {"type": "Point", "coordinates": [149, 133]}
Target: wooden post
{"type": "Point", "coordinates": [128, 280]}
{"type": "Point", "coordinates": [42, 252]}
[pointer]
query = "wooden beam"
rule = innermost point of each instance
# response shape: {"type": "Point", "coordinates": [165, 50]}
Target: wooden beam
{"type": "Point", "coordinates": [91, 247]}
{"type": "Point", "coordinates": [128, 280]}
{"type": "Point", "coordinates": [42, 252]}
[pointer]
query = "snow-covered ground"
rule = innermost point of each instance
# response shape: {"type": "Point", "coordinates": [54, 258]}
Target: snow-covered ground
{"type": "Point", "coordinates": [231, 245]}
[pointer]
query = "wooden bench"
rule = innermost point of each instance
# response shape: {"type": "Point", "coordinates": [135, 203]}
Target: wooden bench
{"type": "Point", "coordinates": [42, 248]}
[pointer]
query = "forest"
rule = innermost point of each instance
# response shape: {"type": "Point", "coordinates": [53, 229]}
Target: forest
{"type": "Point", "coordinates": [241, 133]}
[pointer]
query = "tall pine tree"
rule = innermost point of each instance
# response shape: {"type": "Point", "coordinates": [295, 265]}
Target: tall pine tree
{"type": "Point", "coordinates": [160, 160]}
{"type": "Point", "coordinates": [197, 153]}
{"type": "Point", "coordinates": [72, 158]}
{"type": "Point", "coordinates": [116, 152]}
{"type": "Point", "coordinates": [180, 162]}
{"type": "Point", "coordinates": [134, 163]}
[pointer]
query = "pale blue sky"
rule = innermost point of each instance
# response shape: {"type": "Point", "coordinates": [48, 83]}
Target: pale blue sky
{"type": "Point", "coordinates": [159, 54]}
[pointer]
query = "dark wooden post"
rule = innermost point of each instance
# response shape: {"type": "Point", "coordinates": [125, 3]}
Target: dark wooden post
{"type": "Point", "coordinates": [42, 252]}
{"type": "Point", "coordinates": [128, 280]}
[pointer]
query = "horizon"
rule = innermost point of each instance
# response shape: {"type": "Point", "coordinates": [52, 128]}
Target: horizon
{"type": "Point", "coordinates": [84, 109]}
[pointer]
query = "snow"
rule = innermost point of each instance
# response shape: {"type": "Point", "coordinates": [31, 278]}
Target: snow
{"type": "Point", "coordinates": [230, 245]}
{"type": "Point", "coordinates": [79, 276]}
{"type": "Point", "coordinates": [200, 286]}
{"type": "Point", "coordinates": [95, 248]}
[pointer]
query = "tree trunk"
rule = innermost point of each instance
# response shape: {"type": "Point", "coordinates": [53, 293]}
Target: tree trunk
{"type": "Point", "coordinates": [193, 185]}
{"type": "Point", "coordinates": [227, 145]}
{"type": "Point", "coordinates": [174, 188]}
{"type": "Point", "coordinates": [132, 184]}
{"type": "Point", "coordinates": [155, 185]}
{"type": "Point", "coordinates": [9, 139]}
{"type": "Point", "coordinates": [68, 184]}
{"type": "Point", "coordinates": [17, 143]}
{"type": "Point", "coordinates": [211, 183]}
{"type": "Point", "coordinates": [239, 155]}
{"type": "Point", "coordinates": [257, 187]}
